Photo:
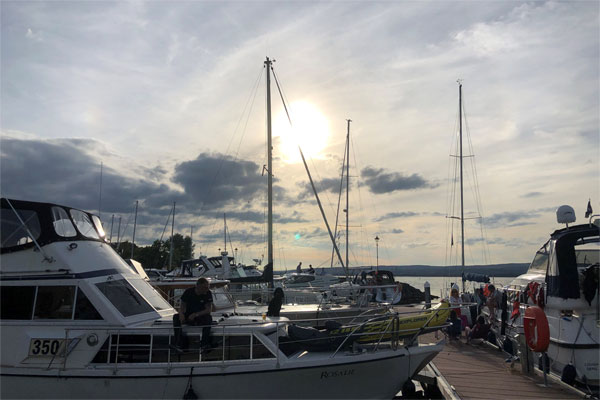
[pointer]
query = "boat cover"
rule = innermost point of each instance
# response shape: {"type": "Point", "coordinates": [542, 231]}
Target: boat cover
{"type": "Point", "coordinates": [562, 279]}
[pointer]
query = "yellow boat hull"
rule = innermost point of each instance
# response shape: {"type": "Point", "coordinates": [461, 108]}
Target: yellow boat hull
{"type": "Point", "coordinates": [396, 326]}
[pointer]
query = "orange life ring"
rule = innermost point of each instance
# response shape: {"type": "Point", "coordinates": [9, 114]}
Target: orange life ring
{"type": "Point", "coordinates": [537, 331]}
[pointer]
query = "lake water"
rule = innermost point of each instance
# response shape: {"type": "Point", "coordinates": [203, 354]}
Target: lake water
{"type": "Point", "coordinates": [441, 283]}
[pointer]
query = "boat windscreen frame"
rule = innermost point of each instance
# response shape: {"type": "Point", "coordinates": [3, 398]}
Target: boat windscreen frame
{"type": "Point", "coordinates": [47, 231]}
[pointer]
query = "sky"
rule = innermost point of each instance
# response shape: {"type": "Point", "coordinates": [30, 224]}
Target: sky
{"type": "Point", "coordinates": [107, 103]}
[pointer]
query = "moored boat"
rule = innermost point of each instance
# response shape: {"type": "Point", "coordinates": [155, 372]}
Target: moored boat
{"type": "Point", "coordinates": [562, 280]}
{"type": "Point", "coordinates": [79, 322]}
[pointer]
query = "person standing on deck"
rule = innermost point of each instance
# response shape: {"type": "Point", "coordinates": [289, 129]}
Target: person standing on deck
{"type": "Point", "coordinates": [299, 267]}
{"type": "Point", "coordinates": [493, 302]}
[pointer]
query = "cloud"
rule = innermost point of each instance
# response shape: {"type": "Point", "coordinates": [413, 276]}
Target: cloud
{"type": "Point", "coordinates": [511, 219]}
{"type": "Point", "coordinates": [215, 180]}
{"type": "Point", "coordinates": [397, 230]}
{"type": "Point", "coordinates": [324, 185]}
{"type": "Point", "coordinates": [380, 181]}
{"type": "Point", "coordinates": [393, 215]}
{"type": "Point", "coordinates": [62, 171]}
{"type": "Point", "coordinates": [532, 194]}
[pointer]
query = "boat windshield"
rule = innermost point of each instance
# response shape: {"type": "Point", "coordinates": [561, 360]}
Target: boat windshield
{"type": "Point", "coordinates": [62, 223]}
{"type": "Point", "coordinates": [540, 261]}
{"type": "Point", "coordinates": [99, 227]}
{"type": "Point", "coordinates": [84, 224]}
{"type": "Point", "coordinates": [156, 300]}
{"type": "Point", "coordinates": [124, 297]}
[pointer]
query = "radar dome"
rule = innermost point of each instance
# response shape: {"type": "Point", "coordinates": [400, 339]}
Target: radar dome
{"type": "Point", "coordinates": [565, 214]}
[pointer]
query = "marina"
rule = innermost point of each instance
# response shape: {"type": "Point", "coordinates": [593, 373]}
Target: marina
{"type": "Point", "coordinates": [281, 200]}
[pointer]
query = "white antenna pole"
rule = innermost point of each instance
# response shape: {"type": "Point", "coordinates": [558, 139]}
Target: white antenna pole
{"type": "Point", "coordinates": [134, 226]}
{"type": "Point", "coordinates": [100, 195]}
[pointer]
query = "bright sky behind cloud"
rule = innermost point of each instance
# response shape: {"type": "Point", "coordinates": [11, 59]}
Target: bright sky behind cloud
{"type": "Point", "coordinates": [170, 98]}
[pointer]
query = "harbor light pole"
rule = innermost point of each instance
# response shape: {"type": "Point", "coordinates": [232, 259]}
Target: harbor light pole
{"type": "Point", "coordinates": [377, 247]}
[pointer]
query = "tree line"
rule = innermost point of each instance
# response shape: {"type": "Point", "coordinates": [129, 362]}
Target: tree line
{"type": "Point", "coordinates": [157, 255]}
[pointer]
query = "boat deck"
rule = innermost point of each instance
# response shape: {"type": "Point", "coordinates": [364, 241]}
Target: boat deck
{"type": "Point", "coordinates": [480, 371]}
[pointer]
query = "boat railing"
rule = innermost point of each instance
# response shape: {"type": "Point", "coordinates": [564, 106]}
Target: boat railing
{"type": "Point", "coordinates": [147, 345]}
{"type": "Point", "coordinates": [355, 293]}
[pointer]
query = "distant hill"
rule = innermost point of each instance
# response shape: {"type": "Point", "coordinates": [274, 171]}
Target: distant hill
{"type": "Point", "coordinates": [493, 270]}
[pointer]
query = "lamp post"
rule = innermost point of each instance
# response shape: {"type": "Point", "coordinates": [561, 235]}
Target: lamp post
{"type": "Point", "coordinates": [377, 247]}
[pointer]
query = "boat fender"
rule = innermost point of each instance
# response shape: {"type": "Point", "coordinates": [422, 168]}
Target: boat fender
{"type": "Point", "coordinates": [569, 373]}
{"type": "Point", "coordinates": [537, 331]}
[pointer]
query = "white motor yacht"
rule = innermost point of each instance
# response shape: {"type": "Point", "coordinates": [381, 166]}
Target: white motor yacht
{"type": "Point", "coordinates": [79, 322]}
{"type": "Point", "coordinates": [563, 280]}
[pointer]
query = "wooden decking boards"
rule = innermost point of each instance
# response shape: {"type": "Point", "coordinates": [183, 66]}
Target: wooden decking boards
{"type": "Point", "coordinates": [480, 372]}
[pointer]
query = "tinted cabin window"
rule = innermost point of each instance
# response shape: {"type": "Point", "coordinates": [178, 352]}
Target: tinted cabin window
{"type": "Point", "coordinates": [160, 349]}
{"type": "Point", "coordinates": [12, 231]}
{"type": "Point", "coordinates": [17, 302]}
{"type": "Point", "coordinates": [237, 347]}
{"type": "Point", "coordinates": [124, 297]}
{"type": "Point", "coordinates": [130, 348]}
{"type": "Point", "coordinates": [259, 350]}
{"type": "Point", "coordinates": [84, 309]}
{"type": "Point", "coordinates": [54, 302]}
{"type": "Point", "coordinates": [62, 223]}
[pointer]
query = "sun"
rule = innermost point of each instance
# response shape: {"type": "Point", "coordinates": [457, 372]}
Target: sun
{"type": "Point", "coordinates": [309, 129]}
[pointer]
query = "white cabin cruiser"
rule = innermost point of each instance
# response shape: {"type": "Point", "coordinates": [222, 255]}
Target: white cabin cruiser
{"type": "Point", "coordinates": [562, 280]}
{"type": "Point", "coordinates": [79, 322]}
{"type": "Point", "coordinates": [313, 314]}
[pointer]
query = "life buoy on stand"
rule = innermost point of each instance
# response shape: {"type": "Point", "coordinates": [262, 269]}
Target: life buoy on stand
{"type": "Point", "coordinates": [537, 331]}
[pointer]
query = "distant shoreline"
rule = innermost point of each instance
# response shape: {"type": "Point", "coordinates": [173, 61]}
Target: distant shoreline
{"type": "Point", "coordinates": [508, 270]}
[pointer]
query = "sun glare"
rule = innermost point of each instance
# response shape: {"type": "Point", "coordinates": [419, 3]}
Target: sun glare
{"type": "Point", "coordinates": [310, 130]}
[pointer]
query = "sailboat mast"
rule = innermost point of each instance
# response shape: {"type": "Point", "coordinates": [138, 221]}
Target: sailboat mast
{"type": "Point", "coordinates": [347, 187]}
{"type": "Point", "coordinates": [269, 167]}
{"type": "Point", "coordinates": [462, 206]}
{"type": "Point", "coordinates": [172, 232]}
{"type": "Point", "coordinates": [225, 230]}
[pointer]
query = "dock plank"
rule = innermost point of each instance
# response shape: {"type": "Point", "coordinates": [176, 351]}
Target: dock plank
{"type": "Point", "coordinates": [478, 371]}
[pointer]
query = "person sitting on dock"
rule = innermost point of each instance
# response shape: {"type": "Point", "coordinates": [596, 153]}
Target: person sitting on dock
{"type": "Point", "coordinates": [196, 306]}
{"type": "Point", "coordinates": [479, 332]}
{"type": "Point", "coordinates": [454, 330]}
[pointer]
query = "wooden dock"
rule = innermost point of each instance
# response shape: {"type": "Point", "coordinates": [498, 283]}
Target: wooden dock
{"type": "Point", "coordinates": [467, 371]}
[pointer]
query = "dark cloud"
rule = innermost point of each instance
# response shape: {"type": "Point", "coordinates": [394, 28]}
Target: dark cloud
{"type": "Point", "coordinates": [215, 180]}
{"type": "Point", "coordinates": [62, 171]}
{"type": "Point", "coordinates": [324, 185]}
{"type": "Point", "coordinates": [511, 219]}
{"type": "Point", "coordinates": [532, 194]}
{"type": "Point", "coordinates": [395, 215]}
{"type": "Point", "coordinates": [380, 181]}
{"type": "Point", "coordinates": [397, 230]}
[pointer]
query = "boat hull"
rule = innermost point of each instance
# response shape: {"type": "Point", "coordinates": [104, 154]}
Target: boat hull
{"type": "Point", "coordinates": [380, 375]}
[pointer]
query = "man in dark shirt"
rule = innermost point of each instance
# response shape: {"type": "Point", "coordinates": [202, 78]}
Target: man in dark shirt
{"type": "Point", "coordinates": [196, 306]}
